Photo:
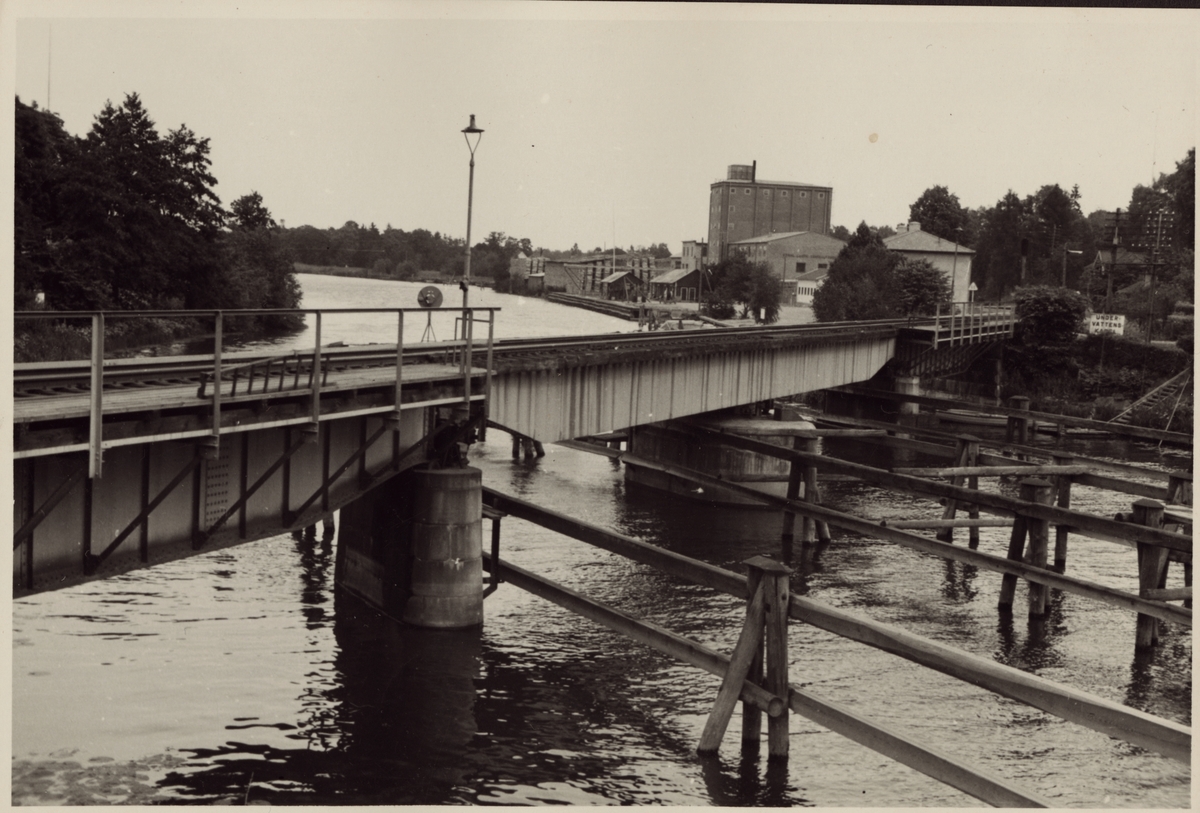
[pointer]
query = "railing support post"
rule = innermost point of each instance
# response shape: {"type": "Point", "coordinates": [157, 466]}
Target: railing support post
{"type": "Point", "coordinates": [96, 410]}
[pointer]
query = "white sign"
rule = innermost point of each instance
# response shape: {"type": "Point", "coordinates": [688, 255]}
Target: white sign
{"type": "Point", "coordinates": [1107, 323]}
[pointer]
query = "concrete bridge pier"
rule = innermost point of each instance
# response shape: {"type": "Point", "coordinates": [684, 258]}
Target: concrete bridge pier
{"type": "Point", "coordinates": [413, 548]}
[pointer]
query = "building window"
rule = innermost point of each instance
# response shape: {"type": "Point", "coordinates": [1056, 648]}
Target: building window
{"type": "Point", "coordinates": [822, 266]}
{"type": "Point", "coordinates": [800, 267]}
{"type": "Point", "coordinates": [821, 196]}
{"type": "Point", "coordinates": [766, 192]}
{"type": "Point", "coordinates": [784, 193]}
{"type": "Point", "coordinates": [804, 194]}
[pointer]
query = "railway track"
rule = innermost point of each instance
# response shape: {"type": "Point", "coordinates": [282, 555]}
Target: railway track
{"type": "Point", "coordinates": [71, 377]}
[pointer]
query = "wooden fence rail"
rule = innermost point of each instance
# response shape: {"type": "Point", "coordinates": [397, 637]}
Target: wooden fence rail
{"type": "Point", "coordinates": [940, 765]}
{"type": "Point", "coordinates": [1133, 726]}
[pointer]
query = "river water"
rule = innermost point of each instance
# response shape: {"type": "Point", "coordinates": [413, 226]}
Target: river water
{"type": "Point", "coordinates": [240, 677]}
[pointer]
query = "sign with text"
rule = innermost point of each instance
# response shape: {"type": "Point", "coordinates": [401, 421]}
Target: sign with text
{"type": "Point", "coordinates": [1107, 323]}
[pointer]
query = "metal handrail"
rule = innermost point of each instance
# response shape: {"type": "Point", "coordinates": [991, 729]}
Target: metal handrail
{"type": "Point", "coordinates": [316, 377]}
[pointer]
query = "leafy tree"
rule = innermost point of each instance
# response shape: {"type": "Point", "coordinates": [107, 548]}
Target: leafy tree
{"type": "Point", "coordinates": [997, 265]}
{"type": "Point", "coordinates": [861, 283]}
{"type": "Point", "coordinates": [752, 286]}
{"type": "Point", "coordinates": [939, 213]}
{"type": "Point", "coordinates": [841, 232]}
{"type": "Point", "coordinates": [126, 218]}
{"type": "Point", "coordinates": [921, 288]}
{"type": "Point", "coordinates": [44, 154]}
{"type": "Point", "coordinates": [257, 267]}
{"type": "Point", "coordinates": [1049, 315]}
{"type": "Point", "coordinates": [248, 213]}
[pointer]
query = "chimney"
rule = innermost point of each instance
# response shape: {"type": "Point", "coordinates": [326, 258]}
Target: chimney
{"type": "Point", "coordinates": [753, 170]}
{"type": "Point", "coordinates": [913, 225]}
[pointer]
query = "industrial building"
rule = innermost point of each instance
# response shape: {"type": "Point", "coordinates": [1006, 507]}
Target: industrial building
{"type": "Point", "coordinates": [741, 207]}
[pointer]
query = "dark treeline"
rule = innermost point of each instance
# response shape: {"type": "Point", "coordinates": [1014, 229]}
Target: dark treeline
{"type": "Point", "coordinates": [124, 218]}
{"type": "Point", "coordinates": [1048, 235]}
{"type": "Point", "coordinates": [419, 253]}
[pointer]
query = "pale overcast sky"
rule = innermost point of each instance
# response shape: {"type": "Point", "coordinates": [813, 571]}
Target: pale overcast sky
{"type": "Point", "coordinates": [611, 120]}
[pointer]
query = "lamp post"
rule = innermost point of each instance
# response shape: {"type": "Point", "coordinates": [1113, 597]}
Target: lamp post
{"type": "Point", "coordinates": [468, 131]}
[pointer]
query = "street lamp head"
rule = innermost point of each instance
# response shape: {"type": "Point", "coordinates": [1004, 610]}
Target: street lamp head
{"type": "Point", "coordinates": [472, 130]}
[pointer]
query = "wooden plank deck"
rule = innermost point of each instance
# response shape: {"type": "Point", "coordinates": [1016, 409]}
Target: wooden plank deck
{"type": "Point", "coordinates": [77, 405]}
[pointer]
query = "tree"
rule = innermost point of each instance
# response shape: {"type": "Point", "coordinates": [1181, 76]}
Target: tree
{"type": "Point", "coordinates": [861, 283]}
{"type": "Point", "coordinates": [257, 269]}
{"type": "Point", "coordinates": [44, 155]}
{"type": "Point", "coordinates": [921, 288]}
{"type": "Point", "coordinates": [939, 213]}
{"type": "Point", "coordinates": [997, 266]}
{"type": "Point", "coordinates": [129, 218]}
{"type": "Point", "coordinates": [1049, 315]}
{"type": "Point", "coordinates": [752, 286]}
{"type": "Point", "coordinates": [248, 213]}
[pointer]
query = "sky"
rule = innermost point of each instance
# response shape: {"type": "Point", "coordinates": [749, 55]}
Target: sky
{"type": "Point", "coordinates": [608, 122]}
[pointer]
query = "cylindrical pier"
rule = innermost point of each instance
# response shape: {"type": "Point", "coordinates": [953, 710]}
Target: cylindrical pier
{"type": "Point", "coordinates": [447, 547]}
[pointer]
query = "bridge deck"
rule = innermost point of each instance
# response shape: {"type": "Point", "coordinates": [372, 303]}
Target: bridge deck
{"type": "Point", "coordinates": [77, 405]}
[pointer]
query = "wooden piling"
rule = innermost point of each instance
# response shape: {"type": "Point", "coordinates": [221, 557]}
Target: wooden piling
{"type": "Point", "coordinates": [812, 446]}
{"type": "Point", "coordinates": [748, 648]}
{"type": "Point", "coordinates": [752, 714]}
{"type": "Point", "coordinates": [795, 479]}
{"type": "Point", "coordinates": [1179, 488]}
{"type": "Point", "coordinates": [1062, 489]}
{"type": "Point", "coordinates": [1152, 561]}
{"type": "Point", "coordinates": [1017, 428]}
{"type": "Point", "coordinates": [968, 452]}
{"type": "Point", "coordinates": [1039, 544]}
{"type": "Point", "coordinates": [1032, 490]}
{"type": "Point", "coordinates": [776, 595]}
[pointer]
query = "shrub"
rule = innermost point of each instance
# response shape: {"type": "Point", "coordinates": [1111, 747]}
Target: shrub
{"type": "Point", "coordinates": [1049, 315]}
{"type": "Point", "coordinates": [717, 308]}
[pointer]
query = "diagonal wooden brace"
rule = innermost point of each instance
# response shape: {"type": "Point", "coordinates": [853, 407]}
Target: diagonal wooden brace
{"type": "Point", "coordinates": [739, 668]}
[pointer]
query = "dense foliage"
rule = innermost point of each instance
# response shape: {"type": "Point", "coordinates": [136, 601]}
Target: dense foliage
{"type": "Point", "coordinates": [866, 281]}
{"type": "Point", "coordinates": [1049, 315]}
{"type": "Point", "coordinates": [738, 283]}
{"type": "Point", "coordinates": [125, 218]}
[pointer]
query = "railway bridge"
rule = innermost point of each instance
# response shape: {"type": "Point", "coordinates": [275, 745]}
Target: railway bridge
{"type": "Point", "coordinates": [120, 463]}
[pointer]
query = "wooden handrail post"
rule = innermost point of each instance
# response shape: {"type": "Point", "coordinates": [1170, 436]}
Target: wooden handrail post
{"type": "Point", "coordinates": [1032, 490]}
{"type": "Point", "coordinates": [1152, 562]}
{"type": "Point", "coordinates": [1063, 493]}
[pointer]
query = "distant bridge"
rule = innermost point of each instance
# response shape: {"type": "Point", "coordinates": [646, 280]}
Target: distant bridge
{"type": "Point", "coordinates": [119, 463]}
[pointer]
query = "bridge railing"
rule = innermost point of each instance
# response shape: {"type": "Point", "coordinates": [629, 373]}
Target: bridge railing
{"type": "Point", "coordinates": [969, 322]}
{"type": "Point", "coordinates": [308, 371]}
